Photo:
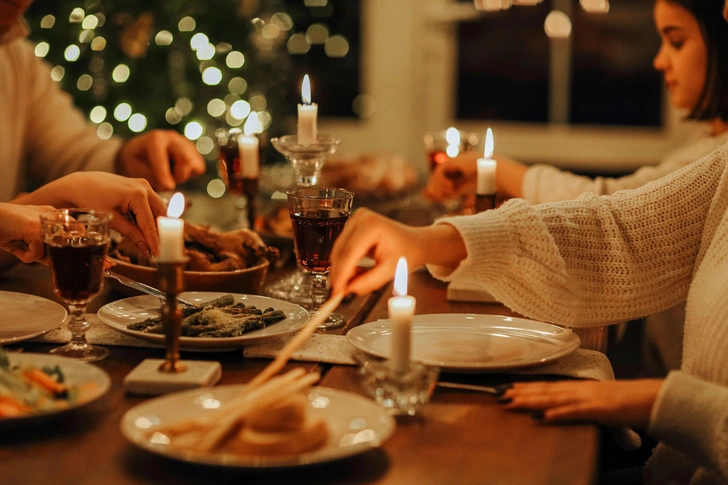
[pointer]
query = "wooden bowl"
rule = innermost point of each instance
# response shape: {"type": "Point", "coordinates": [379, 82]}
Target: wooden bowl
{"type": "Point", "coordinates": [248, 281]}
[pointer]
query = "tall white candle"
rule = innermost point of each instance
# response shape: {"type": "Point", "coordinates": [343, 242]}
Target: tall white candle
{"type": "Point", "coordinates": [401, 309]}
{"type": "Point", "coordinates": [307, 115]}
{"type": "Point", "coordinates": [248, 145]}
{"type": "Point", "coordinates": [487, 167]}
{"type": "Point", "coordinates": [171, 231]}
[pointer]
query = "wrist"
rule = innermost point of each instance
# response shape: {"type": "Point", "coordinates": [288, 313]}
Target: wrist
{"type": "Point", "coordinates": [444, 247]}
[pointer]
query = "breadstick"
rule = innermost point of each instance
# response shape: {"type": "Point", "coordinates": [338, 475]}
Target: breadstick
{"type": "Point", "coordinates": [277, 385]}
{"type": "Point", "coordinates": [215, 436]}
{"type": "Point", "coordinates": [311, 326]}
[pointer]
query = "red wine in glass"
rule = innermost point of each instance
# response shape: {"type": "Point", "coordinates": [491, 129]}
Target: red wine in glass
{"type": "Point", "coordinates": [436, 157]}
{"type": "Point", "coordinates": [77, 265]}
{"type": "Point", "coordinates": [314, 235]}
{"type": "Point", "coordinates": [230, 168]}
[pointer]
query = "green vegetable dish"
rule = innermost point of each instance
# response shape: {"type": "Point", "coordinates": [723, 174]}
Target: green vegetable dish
{"type": "Point", "coordinates": [221, 317]}
{"type": "Point", "coordinates": [28, 389]}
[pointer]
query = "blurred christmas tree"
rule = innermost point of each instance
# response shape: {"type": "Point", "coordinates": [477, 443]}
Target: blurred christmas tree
{"type": "Point", "coordinates": [190, 65]}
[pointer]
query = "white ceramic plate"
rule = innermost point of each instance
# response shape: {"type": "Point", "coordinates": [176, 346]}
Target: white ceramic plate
{"type": "Point", "coordinates": [121, 313]}
{"type": "Point", "coordinates": [469, 342]}
{"type": "Point", "coordinates": [27, 316]}
{"type": "Point", "coordinates": [95, 383]}
{"type": "Point", "coordinates": [356, 424]}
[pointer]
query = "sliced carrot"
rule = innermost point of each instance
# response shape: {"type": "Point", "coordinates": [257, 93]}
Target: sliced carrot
{"type": "Point", "coordinates": [43, 380]}
{"type": "Point", "coordinates": [10, 407]}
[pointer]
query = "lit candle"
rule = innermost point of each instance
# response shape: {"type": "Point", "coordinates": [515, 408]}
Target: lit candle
{"type": "Point", "coordinates": [401, 309]}
{"type": "Point", "coordinates": [486, 168]}
{"type": "Point", "coordinates": [248, 145]}
{"type": "Point", "coordinates": [171, 231]}
{"type": "Point", "coordinates": [307, 113]}
{"type": "Point", "coordinates": [452, 137]}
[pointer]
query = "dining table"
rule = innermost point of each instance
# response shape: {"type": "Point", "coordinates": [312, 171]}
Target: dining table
{"type": "Point", "coordinates": [459, 437]}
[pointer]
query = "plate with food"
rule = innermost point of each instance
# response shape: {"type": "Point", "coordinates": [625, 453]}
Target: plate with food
{"type": "Point", "coordinates": [279, 424]}
{"type": "Point", "coordinates": [471, 342]}
{"type": "Point", "coordinates": [217, 261]}
{"type": "Point", "coordinates": [37, 387]}
{"type": "Point", "coordinates": [27, 316]}
{"type": "Point", "coordinates": [216, 321]}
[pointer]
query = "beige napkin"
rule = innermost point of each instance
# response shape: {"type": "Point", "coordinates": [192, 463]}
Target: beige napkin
{"type": "Point", "coordinates": [331, 349]}
{"type": "Point", "coordinates": [98, 333]}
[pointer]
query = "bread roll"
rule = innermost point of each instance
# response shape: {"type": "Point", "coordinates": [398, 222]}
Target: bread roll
{"type": "Point", "coordinates": [312, 435]}
{"type": "Point", "coordinates": [288, 415]}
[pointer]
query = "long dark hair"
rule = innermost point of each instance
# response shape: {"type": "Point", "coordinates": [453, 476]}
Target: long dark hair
{"type": "Point", "coordinates": [713, 102]}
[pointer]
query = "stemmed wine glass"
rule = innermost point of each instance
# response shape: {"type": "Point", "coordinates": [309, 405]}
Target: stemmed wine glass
{"type": "Point", "coordinates": [77, 241]}
{"type": "Point", "coordinates": [318, 215]}
{"type": "Point", "coordinates": [307, 161]}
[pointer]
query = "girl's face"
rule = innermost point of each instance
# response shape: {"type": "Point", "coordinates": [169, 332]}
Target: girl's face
{"type": "Point", "coordinates": [683, 55]}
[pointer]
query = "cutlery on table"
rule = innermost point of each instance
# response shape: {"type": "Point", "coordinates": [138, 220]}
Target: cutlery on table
{"type": "Point", "coordinates": [495, 391]}
{"type": "Point", "coordinates": [149, 290]}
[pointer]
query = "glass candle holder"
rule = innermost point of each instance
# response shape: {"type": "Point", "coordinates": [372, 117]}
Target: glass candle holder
{"type": "Point", "coordinates": [401, 393]}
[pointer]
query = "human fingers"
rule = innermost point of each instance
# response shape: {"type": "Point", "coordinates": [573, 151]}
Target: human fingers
{"type": "Point", "coordinates": [145, 221]}
{"type": "Point", "coordinates": [158, 159]}
{"type": "Point", "coordinates": [187, 160]}
{"type": "Point", "coordinates": [353, 243]}
{"type": "Point", "coordinates": [132, 232]}
{"type": "Point", "coordinates": [580, 411]}
{"type": "Point", "coordinates": [371, 280]}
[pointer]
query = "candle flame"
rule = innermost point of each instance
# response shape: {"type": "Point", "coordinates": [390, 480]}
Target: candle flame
{"type": "Point", "coordinates": [400, 277]}
{"type": "Point", "coordinates": [488, 152]}
{"type": "Point", "coordinates": [452, 136]}
{"type": "Point", "coordinates": [306, 90]}
{"type": "Point", "coordinates": [176, 205]}
{"type": "Point", "coordinates": [252, 125]}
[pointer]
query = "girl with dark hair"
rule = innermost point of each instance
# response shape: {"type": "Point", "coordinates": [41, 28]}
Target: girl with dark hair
{"type": "Point", "coordinates": [693, 58]}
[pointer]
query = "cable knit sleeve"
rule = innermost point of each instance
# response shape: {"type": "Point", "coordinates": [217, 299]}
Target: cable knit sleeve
{"type": "Point", "coordinates": [544, 183]}
{"type": "Point", "coordinates": [691, 415]}
{"type": "Point", "coordinates": [595, 260]}
{"type": "Point", "coordinates": [58, 138]}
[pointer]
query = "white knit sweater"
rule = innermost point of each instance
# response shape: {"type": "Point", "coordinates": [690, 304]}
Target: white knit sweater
{"type": "Point", "coordinates": [601, 260]}
{"type": "Point", "coordinates": [42, 135]}
{"type": "Point", "coordinates": [544, 183]}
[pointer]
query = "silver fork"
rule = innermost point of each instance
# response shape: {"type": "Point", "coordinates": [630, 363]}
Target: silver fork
{"type": "Point", "coordinates": [149, 290]}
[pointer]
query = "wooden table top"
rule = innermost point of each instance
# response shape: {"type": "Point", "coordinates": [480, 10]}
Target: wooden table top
{"type": "Point", "coordinates": [460, 438]}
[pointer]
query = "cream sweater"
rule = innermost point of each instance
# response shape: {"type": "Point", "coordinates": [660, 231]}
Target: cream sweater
{"type": "Point", "coordinates": [600, 260]}
{"type": "Point", "coordinates": [42, 135]}
{"type": "Point", "coordinates": [544, 183]}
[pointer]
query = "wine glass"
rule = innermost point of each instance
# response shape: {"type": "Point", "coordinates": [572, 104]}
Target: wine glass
{"type": "Point", "coordinates": [231, 171]}
{"type": "Point", "coordinates": [76, 241]}
{"type": "Point", "coordinates": [318, 215]}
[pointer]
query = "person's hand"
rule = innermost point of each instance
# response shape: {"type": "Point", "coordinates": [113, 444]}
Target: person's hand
{"type": "Point", "coordinates": [452, 178]}
{"type": "Point", "coordinates": [370, 234]}
{"type": "Point", "coordinates": [133, 203]}
{"type": "Point", "coordinates": [20, 232]}
{"type": "Point", "coordinates": [165, 158]}
{"type": "Point", "coordinates": [615, 403]}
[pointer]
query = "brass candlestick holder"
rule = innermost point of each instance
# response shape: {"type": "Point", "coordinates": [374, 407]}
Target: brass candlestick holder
{"type": "Point", "coordinates": [157, 376]}
{"type": "Point", "coordinates": [171, 282]}
{"type": "Point", "coordinates": [484, 202]}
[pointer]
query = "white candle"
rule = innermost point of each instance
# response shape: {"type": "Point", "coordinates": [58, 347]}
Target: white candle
{"type": "Point", "coordinates": [401, 309]}
{"type": "Point", "coordinates": [171, 231]}
{"type": "Point", "coordinates": [248, 146]}
{"type": "Point", "coordinates": [307, 113]}
{"type": "Point", "coordinates": [487, 167]}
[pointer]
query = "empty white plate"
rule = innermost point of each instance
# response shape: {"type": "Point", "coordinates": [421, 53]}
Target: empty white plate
{"type": "Point", "coordinates": [470, 342]}
{"type": "Point", "coordinates": [27, 316]}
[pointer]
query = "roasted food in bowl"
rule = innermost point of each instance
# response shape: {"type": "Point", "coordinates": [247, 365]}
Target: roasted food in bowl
{"type": "Point", "coordinates": [235, 261]}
